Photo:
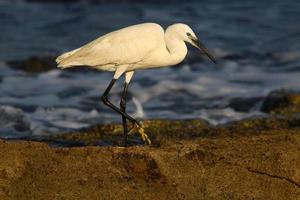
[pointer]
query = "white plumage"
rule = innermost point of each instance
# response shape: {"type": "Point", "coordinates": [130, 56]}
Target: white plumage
{"type": "Point", "coordinates": [128, 46]}
{"type": "Point", "coordinates": [138, 46]}
{"type": "Point", "coordinates": [135, 47]}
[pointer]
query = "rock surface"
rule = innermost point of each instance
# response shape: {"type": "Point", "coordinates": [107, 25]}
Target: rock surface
{"type": "Point", "coordinates": [282, 102]}
{"type": "Point", "coordinates": [251, 159]}
{"type": "Point", "coordinates": [34, 64]}
{"type": "Point", "coordinates": [244, 104]}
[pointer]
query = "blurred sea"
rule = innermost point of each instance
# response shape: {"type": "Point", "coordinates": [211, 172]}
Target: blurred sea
{"type": "Point", "coordinates": [257, 44]}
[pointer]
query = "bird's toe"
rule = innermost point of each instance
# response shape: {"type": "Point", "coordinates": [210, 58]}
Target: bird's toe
{"type": "Point", "coordinates": [144, 136]}
{"type": "Point", "coordinates": [133, 129]}
{"type": "Point", "coordinates": [138, 128]}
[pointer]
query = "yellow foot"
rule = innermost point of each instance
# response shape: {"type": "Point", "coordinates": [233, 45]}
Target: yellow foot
{"type": "Point", "coordinates": [144, 136]}
{"type": "Point", "coordinates": [133, 129]}
{"type": "Point", "coordinates": [142, 133]}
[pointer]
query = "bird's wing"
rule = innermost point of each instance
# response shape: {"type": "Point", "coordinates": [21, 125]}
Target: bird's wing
{"type": "Point", "coordinates": [126, 46]}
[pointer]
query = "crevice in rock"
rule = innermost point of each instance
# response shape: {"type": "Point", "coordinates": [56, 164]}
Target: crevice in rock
{"type": "Point", "coordinates": [255, 171]}
{"type": "Point", "coordinates": [274, 176]}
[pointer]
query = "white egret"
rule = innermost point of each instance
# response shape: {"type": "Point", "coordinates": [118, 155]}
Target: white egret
{"type": "Point", "coordinates": [140, 46]}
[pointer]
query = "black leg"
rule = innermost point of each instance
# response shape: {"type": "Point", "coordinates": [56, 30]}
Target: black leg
{"type": "Point", "coordinates": [123, 109]}
{"type": "Point", "coordinates": [105, 100]}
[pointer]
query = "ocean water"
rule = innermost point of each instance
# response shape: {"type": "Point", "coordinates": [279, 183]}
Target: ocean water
{"type": "Point", "coordinates": [257, 44]}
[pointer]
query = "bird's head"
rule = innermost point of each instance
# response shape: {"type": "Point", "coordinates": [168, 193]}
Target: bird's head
{"type": "Point", "coordinates": [185, 33]}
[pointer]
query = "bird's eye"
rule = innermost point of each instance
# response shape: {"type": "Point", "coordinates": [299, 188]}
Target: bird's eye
{"type": "Point", "coordinates": [188, 34]}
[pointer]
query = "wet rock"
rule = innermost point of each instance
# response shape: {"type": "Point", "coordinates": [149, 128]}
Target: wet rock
{"type": "Point", "coordinates": [34, 64]}
{"type": "Point", "coordinates": [243, 104]}
{"type": "Point", "coordinates": [159, 131]}
{"type": "Point", "coordinates": [164, 132]}
{"type": "Point", "coordinates": [282, 102]}
{"type": "Point", "coordinates": [259, 125]}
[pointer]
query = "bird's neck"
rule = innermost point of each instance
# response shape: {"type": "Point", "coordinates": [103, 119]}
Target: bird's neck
{"type": "Point", "coordinates": [176, 47]}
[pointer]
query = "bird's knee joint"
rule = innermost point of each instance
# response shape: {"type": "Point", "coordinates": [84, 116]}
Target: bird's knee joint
{"type": "Point", "coordinates": [104, 99]}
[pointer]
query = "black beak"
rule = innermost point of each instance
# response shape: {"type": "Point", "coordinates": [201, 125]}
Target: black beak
{"type": "Point", "coordinates": [201, 46]}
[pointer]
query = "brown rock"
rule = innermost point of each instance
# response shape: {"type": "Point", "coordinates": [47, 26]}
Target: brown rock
{"type": "Point", "coordinates": [264, 164]}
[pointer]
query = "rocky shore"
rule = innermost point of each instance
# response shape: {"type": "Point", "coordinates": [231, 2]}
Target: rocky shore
{"type": "Point", "coordinates": [250, 159]}
{"type": "Point", "coordinates": [253, 152]}
{"type": "Point", "coordinates": [255, 158]}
